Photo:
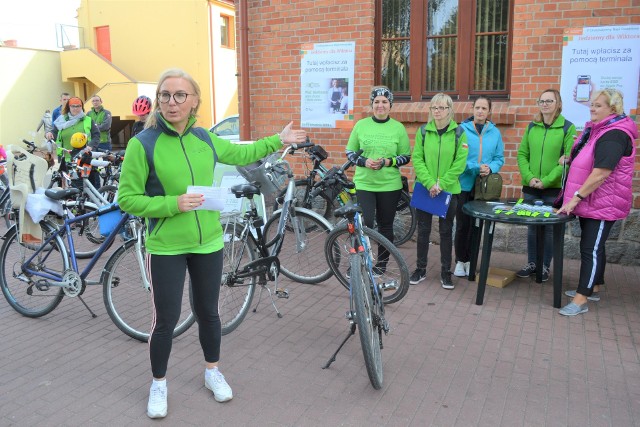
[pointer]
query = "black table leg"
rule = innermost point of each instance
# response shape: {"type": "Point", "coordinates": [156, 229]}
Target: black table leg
{"type": "Point", "coordinates": [484, 264]}
{"type": "Point", "coordinates": [474, 248]}
{"type": "Point", "coordinates": [558, 262]}
{"type": "Point", "coordinates": [540, 252]}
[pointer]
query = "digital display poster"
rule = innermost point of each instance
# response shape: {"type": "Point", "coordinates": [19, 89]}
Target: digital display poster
{"type": "Point", "coordinates": [595, 58]}
{"type": "Point", "coordinates": [327, 85]}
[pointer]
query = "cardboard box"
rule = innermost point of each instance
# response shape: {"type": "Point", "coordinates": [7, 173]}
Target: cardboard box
{"type": "Point", "coordinates": [499, 277]}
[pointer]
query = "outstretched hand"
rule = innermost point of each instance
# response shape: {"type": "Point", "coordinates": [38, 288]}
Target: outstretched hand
{"type": "Point", "coordinates": [292, 136]}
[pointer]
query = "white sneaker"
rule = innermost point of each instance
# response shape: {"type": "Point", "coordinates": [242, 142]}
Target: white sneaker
{"type": "Point", "coordinates": [459, 270]}
{"type": "Point", "coordinates": [157, 406]}
{"type": "Point", "coordinates": [467, 265]}
{"type": "Point", "coordinates": [214, 381]}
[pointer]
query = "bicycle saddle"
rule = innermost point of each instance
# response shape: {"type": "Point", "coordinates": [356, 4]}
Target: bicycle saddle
{"type": "Point", "coordinates": [347, 210]}
{"type": "Point", "coordinates": [245, 190]}
{"type": "Point", "coordinates": [59, 194]}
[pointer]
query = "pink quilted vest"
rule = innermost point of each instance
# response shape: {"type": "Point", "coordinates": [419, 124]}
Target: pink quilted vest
{"type": "Point", "coordinates": [613, 199]}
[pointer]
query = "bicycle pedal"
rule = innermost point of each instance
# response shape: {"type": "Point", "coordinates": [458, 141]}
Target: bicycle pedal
{"type": "Point", "coordinates": [282, 293]}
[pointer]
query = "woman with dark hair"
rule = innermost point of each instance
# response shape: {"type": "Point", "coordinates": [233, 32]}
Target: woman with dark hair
{"type": "Point", "coordinates": [599, 189]}
{"type": "Point", "coordinates": [547, 138]}
{"type": "Point", "coordinates": [486, 155]}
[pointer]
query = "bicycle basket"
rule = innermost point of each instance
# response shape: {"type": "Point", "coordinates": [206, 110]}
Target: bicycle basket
{"type": "Point", "coordinates": [269, 180]}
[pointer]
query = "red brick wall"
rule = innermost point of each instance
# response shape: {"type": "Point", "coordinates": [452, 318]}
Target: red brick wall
{"type": "Point", "coordinates": [278, 28]}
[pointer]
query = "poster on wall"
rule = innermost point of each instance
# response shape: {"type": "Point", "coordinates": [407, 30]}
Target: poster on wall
{"type": "Point", "coordinates": [595, 58]}
{"type": "Point", "coordinates": [326, 85]}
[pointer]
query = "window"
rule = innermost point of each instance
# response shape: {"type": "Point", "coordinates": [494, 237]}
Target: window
{"type": "Point", "coordinates": [460, 47]}
{"type": "Point", "coordinates": [227, 32]}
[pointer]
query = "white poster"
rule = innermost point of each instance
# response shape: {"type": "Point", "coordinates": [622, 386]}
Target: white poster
{"type": "Point", "coordinates": [596, 58]}
{"type": "Point", "coordinates": [327, 85]}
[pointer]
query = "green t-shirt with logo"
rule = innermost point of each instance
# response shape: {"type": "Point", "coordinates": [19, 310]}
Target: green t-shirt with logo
{"type": "Point", "coordinates": [379, 140]}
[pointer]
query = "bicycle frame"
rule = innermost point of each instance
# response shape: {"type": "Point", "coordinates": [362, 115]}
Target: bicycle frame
{"type": "Point", "coordinates": [56, 279]}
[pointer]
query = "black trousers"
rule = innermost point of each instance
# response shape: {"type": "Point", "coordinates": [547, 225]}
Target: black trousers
{"type": "Point", "coordinates": [446, 236]}
{"type": "Point", "coordinates": [594, 234]}
{"type": "Point", "coordinates": [463, 228]}
{"type": "Point", "coordinates": [167, 282]}
{"type": "Point", "coordinates": [382, 206]}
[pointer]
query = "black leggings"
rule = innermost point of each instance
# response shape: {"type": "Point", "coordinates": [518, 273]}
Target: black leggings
{"type": "Point", "coordinates": [382, 205]}
{"type": "Point", "coordinates": [167, 282]}
{"type": "Point", "coordinates": [594, 234]}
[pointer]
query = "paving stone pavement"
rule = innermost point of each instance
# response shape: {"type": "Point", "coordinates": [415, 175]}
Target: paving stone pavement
{"type": "Point", "coordinates": [447, 362]}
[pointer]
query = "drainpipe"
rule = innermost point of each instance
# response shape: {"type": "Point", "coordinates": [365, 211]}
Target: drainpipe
{"type": "Point", "coordinates": [243, 72]}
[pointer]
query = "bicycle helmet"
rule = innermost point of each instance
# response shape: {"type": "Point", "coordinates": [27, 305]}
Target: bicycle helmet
{"type": "Point", "coordinates": [141, 106]}
{"type": "Point", "coordinates": [78, 140]}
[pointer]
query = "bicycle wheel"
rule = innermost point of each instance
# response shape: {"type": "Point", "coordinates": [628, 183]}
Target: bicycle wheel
{"type": "Point", "coordinates": [304, 235]}
{"type": "Point", "coordinates": [404, 223]}
{"type": "Point", "coordinates": [366, 319]}
{"type": "Point", "coordinates": [30, 295]}
{"type": "Point", "coordinates": [393, 275]}
{"type": "Point", "coordinates": [321, 204]}
{"type": "Point", "coordinates": [127, 300]}
{"type": "Point", "coordinates": [235, 299]}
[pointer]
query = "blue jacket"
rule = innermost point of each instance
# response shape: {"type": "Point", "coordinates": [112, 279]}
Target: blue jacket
{"type": "Point", "coordinates": [492, 151]}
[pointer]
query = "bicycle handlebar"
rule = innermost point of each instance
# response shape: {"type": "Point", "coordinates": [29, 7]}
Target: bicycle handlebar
{"type": "Point", "coordinates": [336, 175]}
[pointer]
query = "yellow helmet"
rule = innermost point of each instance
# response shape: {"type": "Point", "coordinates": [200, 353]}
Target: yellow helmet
{"type": "Point", "coordinates": [78, 140]}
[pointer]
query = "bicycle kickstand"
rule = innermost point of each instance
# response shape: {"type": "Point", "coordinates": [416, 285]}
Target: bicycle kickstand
{"type": "Point", "coordinates": [93, 315]}
{"type": "Point", "coordinates": [263, 285]}
{"type": "Point", "coordinates": [352, 331]}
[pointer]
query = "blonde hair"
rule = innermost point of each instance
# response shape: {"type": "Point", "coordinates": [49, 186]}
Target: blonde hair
{"type": "Point", "coordinates": [439, 98]}
{"type": "Point", "coordinates": [614, 99]}
{"type": "Point", "coordinates": [538, 117]}
{"type": "Point", "coordinates": [152, 120]}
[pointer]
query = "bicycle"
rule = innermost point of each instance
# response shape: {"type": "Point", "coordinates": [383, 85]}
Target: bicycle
{"type": "Point", "coordinates": [34, 277]}
{"type": "Point", "coordinates": [331, 197]}
{"type": "Point", "coordinates": [366, 306]}
{"type": "Point", "coordinates": [253, 256]}
{"type": "Point", "coordinates": [390, 267]}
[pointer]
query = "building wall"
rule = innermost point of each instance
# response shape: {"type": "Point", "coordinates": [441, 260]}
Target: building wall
{"type": "Point", "coordinates": [277, 31]}
{"type": "Point", "coordinates": [148, 37]}
{"type": "Point", "coordinates": [26, 92]}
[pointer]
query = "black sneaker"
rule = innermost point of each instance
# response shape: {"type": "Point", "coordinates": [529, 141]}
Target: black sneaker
{"type": "Point", "coordinates": [545, 273]}
{"type": "Point", "coordinates": [528, 270]}
{"type": "Point", "coordinates": [378, 271]}
{"type": "Point", "coordinates": [445, 279]}
{"type": "Point", "coordinates": [418, 276]}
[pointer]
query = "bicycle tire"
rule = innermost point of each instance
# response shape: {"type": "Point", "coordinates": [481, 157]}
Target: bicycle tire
{"type": "Point", "coordinates": [321, 204]}
{"type": "Point", "coordinates": [405, 221]}
{"type": "Point", "coordinates": [235, 301]}
{"type": "Point", "coordinates": [128, 303]}
{"type": "Point", "coordinates": [26, 298]}
{"type": "Point", "coordinates": [366, 319]}
{"type": "Point", "coordinates": [395, 278]}
{"type": "Point", "coordinates": [299, 259]}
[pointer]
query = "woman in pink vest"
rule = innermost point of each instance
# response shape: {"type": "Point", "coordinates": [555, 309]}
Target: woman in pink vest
{"type": "Point", "coordinates": [598, 189]}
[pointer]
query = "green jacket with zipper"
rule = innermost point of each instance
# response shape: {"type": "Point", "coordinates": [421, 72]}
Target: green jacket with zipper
{"type": "Point", "coordinates": [436, 159]}
{"type": "Point", "coordinates": [179, 160]}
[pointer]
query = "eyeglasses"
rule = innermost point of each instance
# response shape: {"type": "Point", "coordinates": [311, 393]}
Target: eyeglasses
{"type": "Point", "coordinates": [546, 101]}
{"type": "Point", "coordinates": [441, 109]}
{"type": "Point", "coordinates": [178, 97]}
{"type": "Point", "coordinates": [75, 106]}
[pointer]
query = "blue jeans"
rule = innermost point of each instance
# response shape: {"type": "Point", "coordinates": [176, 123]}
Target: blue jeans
{"type": "Point", "coordinates": [532, 247]}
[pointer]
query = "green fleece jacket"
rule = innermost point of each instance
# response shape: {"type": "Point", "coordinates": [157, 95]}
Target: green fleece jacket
{"type": "Point", "coordinates": [179, 160]}
{"type": "Point", "coordinates": [434, 161]}
{"type": "Point", "coordinates": [540, 149]}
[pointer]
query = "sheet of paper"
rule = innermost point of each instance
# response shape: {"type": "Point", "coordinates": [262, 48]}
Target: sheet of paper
{"type": "Point", "coordinates": [214, 197]}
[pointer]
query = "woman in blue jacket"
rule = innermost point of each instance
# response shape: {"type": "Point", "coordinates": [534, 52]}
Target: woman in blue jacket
{"type": "Point", "coordinates": [486, 155]}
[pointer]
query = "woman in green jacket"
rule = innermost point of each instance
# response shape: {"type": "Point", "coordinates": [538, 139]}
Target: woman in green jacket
{"type": "Point", "coordinates": [159, 165]}
{"type": "Point", "coordinates": [548, 137]}
{"type": "Point", "coordinates": [438, 161]}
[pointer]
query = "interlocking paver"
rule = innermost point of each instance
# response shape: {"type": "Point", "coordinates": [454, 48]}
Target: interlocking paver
{"type": "Point", "coordinates": [448, 362]}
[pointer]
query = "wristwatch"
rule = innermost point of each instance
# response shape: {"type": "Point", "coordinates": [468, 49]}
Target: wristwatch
{"type": "Point", "coordinates": [578, 195]}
